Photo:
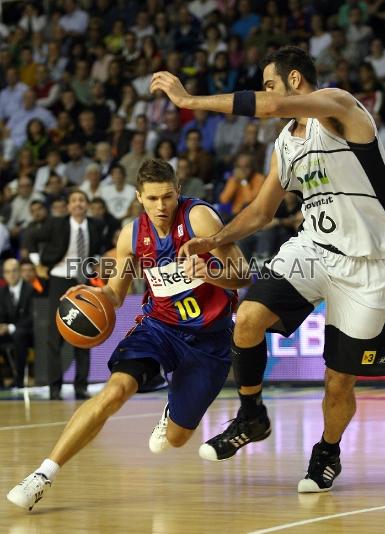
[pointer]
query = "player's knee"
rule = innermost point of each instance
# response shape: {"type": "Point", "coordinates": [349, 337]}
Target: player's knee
{"type": "Point", "coordinates": [251, 316]}
{"type": "Point", "coordinates": [339, 385]}
{"type": "Point", "coordinates": [114, 395]}
{"type": "Point", "coordinates": [177, 437]}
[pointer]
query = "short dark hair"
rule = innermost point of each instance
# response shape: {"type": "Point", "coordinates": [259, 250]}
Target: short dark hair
{"type": "Point", "coordinates": [155, 171]}
{"type": "Point", "coordinates": [80, 192]}
{"type": "Point", "coordinates": [99, 200]}
{"type": "Point", "coordinates": [290, 58]}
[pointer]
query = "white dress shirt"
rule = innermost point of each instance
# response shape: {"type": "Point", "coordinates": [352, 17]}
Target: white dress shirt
{"type": "Point", "coordinates": [15, 292]}
{"type": "Point", "coordinates": [61, 269]}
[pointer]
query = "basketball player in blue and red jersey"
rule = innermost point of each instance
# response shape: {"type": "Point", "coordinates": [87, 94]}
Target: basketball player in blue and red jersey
{"type": "Point", "coordinates": [185, 328]}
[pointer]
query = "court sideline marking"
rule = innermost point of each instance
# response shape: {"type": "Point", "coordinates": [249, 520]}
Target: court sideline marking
{"type": "Point", "coordinates": [316, 520]}
{"type": "Point", "coordinates": [118, 417]}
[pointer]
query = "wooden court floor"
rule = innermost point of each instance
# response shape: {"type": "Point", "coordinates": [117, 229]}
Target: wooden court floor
{"type": "Point", "coordinates": [117, 486]}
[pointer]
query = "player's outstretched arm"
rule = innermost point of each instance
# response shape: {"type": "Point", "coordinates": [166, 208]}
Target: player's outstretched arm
{"type": "Point", "coordinates": [251, 219]}
{"type": "Point", "coordinates": [233, 273]}
{"type": "Point", "coordinates": [322, 104]}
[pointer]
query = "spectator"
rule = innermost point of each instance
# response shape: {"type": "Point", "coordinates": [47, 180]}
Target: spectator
{"type": "Point", "coordinates": [29, 275]}
{"type": "Point", "coordinates": [54, 166]}
{"type": "Point", "coordinates": [20, 206]}
{"type": "Point", "coordinates": [166, 150]}
{"type": "Point", "coordinates": [171, 128]}
{"type": "Point", "coordinates": [37, 142]}
{"type": "Point", "coordinates": [131, 50]}
{"type": "Point", "coordinates": [109, 224]}
{"type": "Point", "coordinates": [99, 70]}
{"type": "Point", "coordinates": [358, 35]}
{"type": "Point", "coordinates": [88, 134]}
{"type": "Point", "coordinates": [235, 52]}
{"type": "Point", "coordinates": [228, 137]}
{"type": "Point", "coordinates": [142, 79]}
{"type": "Point", "coordinates": [39, 215]}
{"type": "Point", "coordinates": [134, 159]}
{"type": "Point", "coordinates": [370, 92]}
{"type": "Point", "coordinates": [78, 162]}
{"type": "Point", "coordinates": [251, 145]}
{"type": "Point", "coordinates": [222, 79]}
{"type": "Point", "coordinates": [142, 125]}
{"type": "Point", "coordinates": [250, 76]}
{"type": "Point", "coordinates": [119, 194]}
{"type": "Point", "coordinates": [56, 63]}
{"type": "Point", "coordinates": [91, 183]}
{"type": "Point", "coordinates": [81, 83]}
{"type": "Point", "coordinates": [341, 78]}
{"type": "Point", "coordinates": [70, 104]}
{"type": "Point", "coordinates": [11, 97]}
{"type": "Point", "coordinates": [17, 124]}
{"type": "Point", "coordinates": [131, 107]}
{"type": "Point", "coordinates": [16, 317]}
{"type": "Point", "coordinates": [32, 20]}
{"type": "Point", "coordinates": [201, 161]}
{"type": "Point", "coordinates": [329, 57]}
{"type": "Point", "coordinates": [186, 35]}
{"type": "Point", "coordinates": [162, 33]}
{"type": "Point", "coordinates": [115, 40]}
{"type": "Point", "coordinates": [27, 68]}
{"type": "Point", "coordinates": [119, 138]}
{"type": "Point", "coordinates": [344, 11]}
{"type": "Point", "coordinates": [46, 90]}
{"type": "Point", "coordinates": [377, 58]}
{"type": "Point", "coordinates": [103, 155]}
{"type": "Point", "coordinates": [143, 27]}
{"type": "Point", "coordinates": [54, 189]}
{"type": "Point", "coordinates": [60, 237]}
{"type": "Point", "coordinates": [320, 39]}
{"type": "Point", "coordinates": [206, 124]}
{"type": "Point", "coordinates": [243, 186]}
{"type": "Point", "coordinates": [75, 21]}
{"type": "Point", "coordinates": [63, 133]}
{"type": "Point", "coordinates": [5, 244]}
{"type": "Point", "coordinates": [213, 43]}
{"type": "Point", "coordinates": [59, 208]}
{"type": "Point", "coordinates": [151, 53]}
{"type": "Point", "coordinates": [190, 186]}
{"type": "Point", "coordinates": [247, 21]}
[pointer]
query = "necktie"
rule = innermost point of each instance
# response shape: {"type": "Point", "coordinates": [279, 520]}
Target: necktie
{"type": "Point", "coordinates": [81, 251]}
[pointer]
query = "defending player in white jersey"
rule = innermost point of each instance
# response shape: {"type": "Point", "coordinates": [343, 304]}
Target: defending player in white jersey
{"type": "Point", "coordinates": [330, 155]}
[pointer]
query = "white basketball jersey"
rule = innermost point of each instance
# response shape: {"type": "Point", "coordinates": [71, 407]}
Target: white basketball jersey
{"type": "Point", "coordinates": [342, 185]}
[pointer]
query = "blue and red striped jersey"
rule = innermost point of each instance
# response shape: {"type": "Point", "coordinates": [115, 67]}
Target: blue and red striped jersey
{"type": "Point", "coordinates": [206, 307]}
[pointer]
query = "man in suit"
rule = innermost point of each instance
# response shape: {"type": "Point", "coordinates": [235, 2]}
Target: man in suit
{"type": "Point", "coordinates": [16, 316]}
{"type": "Point", "coordinates": [73, 236]}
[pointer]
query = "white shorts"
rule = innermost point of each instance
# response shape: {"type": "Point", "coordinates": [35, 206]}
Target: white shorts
{"type": "Point", "coordinates": [353, 290]}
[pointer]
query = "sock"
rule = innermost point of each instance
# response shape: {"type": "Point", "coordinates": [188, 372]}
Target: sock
{"type": "Point", "coordinates": [49, 469]}
{"type": "Point", "coordinates": [251, 405]}
{"type": "Point", "coordinates": [331, 448]}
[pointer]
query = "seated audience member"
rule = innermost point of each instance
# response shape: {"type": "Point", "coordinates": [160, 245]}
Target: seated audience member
{"type": "Point", "coordinates": [16, 327]}
{"type": "Point", "coordinates": [99, 211]}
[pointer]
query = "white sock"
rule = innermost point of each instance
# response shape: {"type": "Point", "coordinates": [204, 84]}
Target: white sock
{"type": "Point", "coordinates": [49, 469]}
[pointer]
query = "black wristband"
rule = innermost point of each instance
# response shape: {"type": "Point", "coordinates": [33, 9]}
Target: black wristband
{"type": "Point", "coordinates": [244, 103]}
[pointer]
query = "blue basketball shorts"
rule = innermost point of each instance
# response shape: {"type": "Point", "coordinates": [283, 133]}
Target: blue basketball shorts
{"type": "Point", "coordinates": [196, 365]}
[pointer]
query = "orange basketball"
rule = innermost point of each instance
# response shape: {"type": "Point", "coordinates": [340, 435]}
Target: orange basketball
{"type": "Point", "coordinates": [84, 318]}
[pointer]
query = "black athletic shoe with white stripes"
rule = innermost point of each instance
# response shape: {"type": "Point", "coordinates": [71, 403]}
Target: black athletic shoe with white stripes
{"type": "Point", "coordinates": [323, 469]}
{"type": "Point", "coordinates": [240, 432]}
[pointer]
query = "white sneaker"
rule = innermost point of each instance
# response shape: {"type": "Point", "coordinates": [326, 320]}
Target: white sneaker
{"type": "Point", "coordinates": [30, 491]}
{"type": "Point", "coordinates": [158, 441]}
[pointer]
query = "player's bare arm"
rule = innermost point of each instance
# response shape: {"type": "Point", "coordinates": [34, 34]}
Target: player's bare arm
{"type": "Point", "coordinates": [336, 109]}
{"type": "Point", "coordinates": [118, 285]}
{"type": "Point", "coordinates": [204, 221]}
{"type": "Point", "coordinates": [251, 219]}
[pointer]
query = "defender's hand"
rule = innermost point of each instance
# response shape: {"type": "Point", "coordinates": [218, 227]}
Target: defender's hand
{"type": "Point", "coordinates": [197, 245]}
{"type": "Point", "coordinates": [169, 84]}
{"type": "Point", "coordinates": [195, 268]}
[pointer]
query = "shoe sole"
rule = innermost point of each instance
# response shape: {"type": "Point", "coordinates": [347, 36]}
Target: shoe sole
{"type": "Point", "coordinates": [206, 451]}
{"type": "Point", "coordinates": [307, 485]}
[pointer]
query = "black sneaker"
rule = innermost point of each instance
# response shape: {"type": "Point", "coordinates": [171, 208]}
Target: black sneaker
{"type": "Point", "coordinates": [323, 469]}
{"type": "Point", "coordinates": [240, 432]}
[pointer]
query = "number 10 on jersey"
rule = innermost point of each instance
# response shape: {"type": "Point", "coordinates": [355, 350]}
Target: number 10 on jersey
{"type": "Point", "coordinates": [188, 308]}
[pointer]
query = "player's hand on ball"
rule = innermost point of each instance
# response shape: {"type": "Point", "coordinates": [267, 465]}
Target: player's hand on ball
{"type": "Point", "coordinates": [169, 84]}
{"type": "Point", "coordinates": [197, 245]}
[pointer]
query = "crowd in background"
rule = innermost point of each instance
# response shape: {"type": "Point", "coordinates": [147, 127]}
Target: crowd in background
{"type": "Point", "coordinates": [76, 110]}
